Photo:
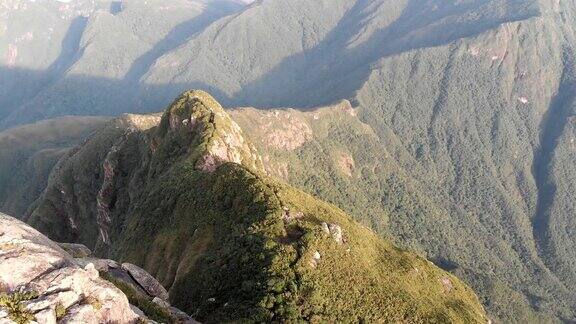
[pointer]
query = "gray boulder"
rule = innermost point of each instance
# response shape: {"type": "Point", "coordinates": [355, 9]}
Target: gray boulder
{"type": "Point", "coordinates": [333, 230]}
{"type": "Point", "coordinates": [100, 264]}
{"type": "Point", "coordinates": [144, 279]}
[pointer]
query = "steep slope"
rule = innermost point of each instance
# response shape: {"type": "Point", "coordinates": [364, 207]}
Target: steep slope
{"type": "Point", "coordinates": [469, 105]}
{"type": "Point", "coordinates": [189, 201]}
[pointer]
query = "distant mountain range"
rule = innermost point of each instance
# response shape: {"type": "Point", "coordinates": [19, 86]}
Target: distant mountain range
{"type": "Point", "coordinates": [445, 125]}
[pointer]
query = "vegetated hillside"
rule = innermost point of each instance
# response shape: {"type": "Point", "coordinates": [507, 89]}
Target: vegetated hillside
{"type": "Point", "coordinates": [334, 155]}
{"type": "Point", "coordinates": [324, 50]}
{"type": "Point", "coordinates": [190, 202]}
{"type": "Point", "coordinates": [330, 152]}
{"type": "Point", "coordinates": [472, 100]}
{"type": "Point", "coordinates": [469, 105]}
{"type": "Point", "coordinates": [28, 154]}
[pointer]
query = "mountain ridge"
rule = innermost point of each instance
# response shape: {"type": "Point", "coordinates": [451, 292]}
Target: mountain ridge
{"type": "Point", "coordinates": [456, 124]}
{"type": "Point", "coordinates": [189, 201]}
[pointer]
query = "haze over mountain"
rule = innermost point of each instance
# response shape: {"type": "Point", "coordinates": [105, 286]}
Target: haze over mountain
{"type": "Point", "coordinates": [457, 139]}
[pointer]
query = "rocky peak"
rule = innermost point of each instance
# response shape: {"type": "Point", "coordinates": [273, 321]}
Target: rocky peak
{"type": "Point", "coordinates": [221, 140]}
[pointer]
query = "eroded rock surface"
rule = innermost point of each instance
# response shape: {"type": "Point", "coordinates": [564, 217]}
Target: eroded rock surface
{"type": "Point", "coordinates": [197, 112]}
{"type": "Point", "coordinates": [39, 275]}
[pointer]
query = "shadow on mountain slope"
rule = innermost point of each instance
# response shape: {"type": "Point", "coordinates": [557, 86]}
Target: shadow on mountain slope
{"type": "Point", "coordinates": [69, 54]}
{"type": "Point", "coordinates": [44, 87]}
{"type": "Point", "coordinates": [178, 36]}
{"type": "Point", "coordinates": [82, 96]}
{"type": "Point", "coordinates": [322, 75]}
{"type": "Point", "coordinates": [552, 128]}
{"type": "Point", "coordinates": [315, 77]}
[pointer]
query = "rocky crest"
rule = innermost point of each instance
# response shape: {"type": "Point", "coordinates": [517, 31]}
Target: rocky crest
{"type": "Point", "coordinates": [196, 111]}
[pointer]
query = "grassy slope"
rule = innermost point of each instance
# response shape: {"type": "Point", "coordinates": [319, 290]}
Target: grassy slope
{"type": "Point", "coordinates": [256, 265]}
{"type": "Point", "coordinates": [221, 240]}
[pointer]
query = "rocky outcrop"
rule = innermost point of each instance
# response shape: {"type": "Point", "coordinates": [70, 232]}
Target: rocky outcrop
{"type": "Point", "coordinates": [333, 230]}
{"type": "Point", "coordinates": [44, 283]}
{"type": "Point", "coordinates": [146, 281]}
{"type": "Point", "coordinates": [49, 282]}
{"type": "Point", "coordinates": [197, 112]}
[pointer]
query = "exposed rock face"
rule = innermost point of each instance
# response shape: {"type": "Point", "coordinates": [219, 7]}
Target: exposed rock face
{"type": "Point", "coordinates": [280, 129]}
{"type": "Point", "coordinates": [346, 164]}
{"type": "Point", "coordinates": [283, 135]}
{"type": "Point", "coordinates": [144, 279]}
{"type": "Point", "coordinates": [197, 112]}
{"type": "Point", "coordinates": [53, 286]}
{"type": "Point", "coordinates": [315, 259]}
{"type": "Point", "coordinates": [333, 230]}
{"type": "Point", "coordinates": [336, 232]}
{"type": "Point", "coordinates": [292, 134]}
{"type": "Point", "coordinates": [99, 264]}
{"type": "Point", "coordinates": [32, 263]}
{"type": "Point", "coordinates": [105, 195]}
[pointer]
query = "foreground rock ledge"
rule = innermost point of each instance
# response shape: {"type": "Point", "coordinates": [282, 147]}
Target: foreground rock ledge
{"type": "Point", "coordinates": [41, 282]}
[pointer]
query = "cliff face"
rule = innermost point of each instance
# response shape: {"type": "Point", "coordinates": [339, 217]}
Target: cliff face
{"type": "Point", "coordinates": [189, 201]}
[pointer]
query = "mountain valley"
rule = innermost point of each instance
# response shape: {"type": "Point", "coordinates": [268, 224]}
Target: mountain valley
{"type": "Point", "coordinates": [444, 126]}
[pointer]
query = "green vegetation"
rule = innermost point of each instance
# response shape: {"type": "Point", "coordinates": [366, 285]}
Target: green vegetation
{"type": "Point", "coordinates": [383, 195]}
{"type": "Point", "coordinates": [60, 311]}
{"type": "Point", "coordinates": [468, 157]}
{"type": "Point", "coordinates": [13, 304]}
{"type": "Point", "coordinates": [231, 243]}
{"type": "Point", "coordinates": [28, 154]}
{"type": "Point", "coordinates": [258, 265]}
{"type": "Point", "coordinates": [94, 302]}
